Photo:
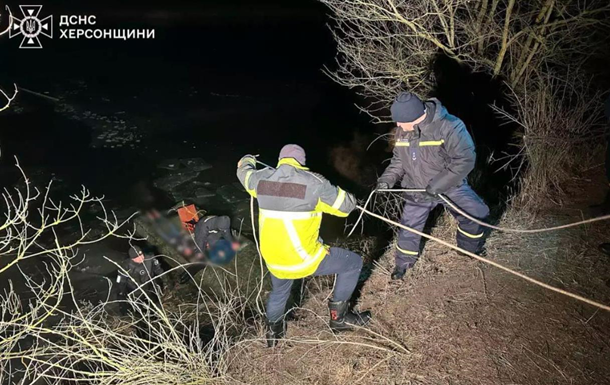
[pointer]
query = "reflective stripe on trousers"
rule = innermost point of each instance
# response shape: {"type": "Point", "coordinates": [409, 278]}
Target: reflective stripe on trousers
{"type": "Point", "coordinates": [469, 235]}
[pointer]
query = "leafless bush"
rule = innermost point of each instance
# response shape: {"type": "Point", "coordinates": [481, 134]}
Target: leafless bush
{"type": "Point", "coordinates": [385, 45]}
{"type": "Point", "coordinates": [154, 345]}
{"type": "Point", "coordinates": [57, 338]}
{"type": "Point", "coordinates": [31, 231]}
{"type": "Point", "coordinates": [562, 127]}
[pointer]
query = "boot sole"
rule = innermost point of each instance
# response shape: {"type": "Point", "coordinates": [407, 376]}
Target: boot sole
{"type": "Point", "coordinates": [348, 326]}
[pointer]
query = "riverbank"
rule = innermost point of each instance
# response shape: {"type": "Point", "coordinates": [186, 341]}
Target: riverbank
{"type": "Point", "coordinates": [457, 321]}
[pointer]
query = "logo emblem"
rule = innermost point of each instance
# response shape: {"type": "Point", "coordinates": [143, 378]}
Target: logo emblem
{"type": "Point", "coordinates": [31, 26]}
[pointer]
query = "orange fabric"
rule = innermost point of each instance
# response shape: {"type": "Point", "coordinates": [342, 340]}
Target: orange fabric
{"type": "Point", "coordinates": [188, 217]}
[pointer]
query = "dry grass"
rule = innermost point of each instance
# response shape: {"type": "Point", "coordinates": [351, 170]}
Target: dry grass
{"type": "Point", "coordinates": [452, 321]}
{"type": "Point", "coordinates": [459, 321]}
{"type": "Point", "coordinates": [51, 337]}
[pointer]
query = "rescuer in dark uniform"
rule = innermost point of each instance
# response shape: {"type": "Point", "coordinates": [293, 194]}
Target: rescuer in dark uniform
{"type": "Point", "coordinates": [434, 151]}
{"type": "Point", "coordinates": [140, 273]}
{"type": "Point", "coordinates": [214, 242]}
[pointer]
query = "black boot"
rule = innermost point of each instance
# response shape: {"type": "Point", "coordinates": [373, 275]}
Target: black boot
{"type": "Point", "coordinates": [398, 273]}
{"type": "Point", "coordinates": [275, 332]}
{"type": "Point", "coordinates": [605, 248]}
{"type": "Point", "coordinates": [481, 252]}
{"type": "Point", "coordinates": [343, 319]}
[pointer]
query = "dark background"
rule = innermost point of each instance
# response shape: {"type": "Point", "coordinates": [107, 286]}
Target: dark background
{"type": "Point", "coordinates": [227, 78]}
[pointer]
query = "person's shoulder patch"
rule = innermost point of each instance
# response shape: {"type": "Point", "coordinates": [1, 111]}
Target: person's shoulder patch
{"type": "Point", "coordinates": [282, 189]}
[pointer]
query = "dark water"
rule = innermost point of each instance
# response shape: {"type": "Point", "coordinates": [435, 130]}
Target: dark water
{"type": "Point", "coordinates": [211, 89]}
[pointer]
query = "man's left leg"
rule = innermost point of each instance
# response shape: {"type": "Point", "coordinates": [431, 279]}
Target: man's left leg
{"type": "Point", "coordinates": [276, 307]}
{"type": "Point", "coordinates": [470, 234]}
{"type": "Point", "coordinates": [347, 266]}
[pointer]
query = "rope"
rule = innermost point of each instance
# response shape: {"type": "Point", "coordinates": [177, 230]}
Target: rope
{"type": "Point", "coordinates": [361, 213]}
{"type": "Point", "coordinates": [504, 229]}
{"type": "Point", "coordinates": [472, 255]}
{"type": "Point", "coordinates": [528, 231]}
{"type": "Point", "coordinates": [369, 198]}
{"type": "Point", "coordinates": [260, 257]}
{"type": "Point", "coordinates": [485, 260]}
{"type": "Point", "coordinates": [264, 164]}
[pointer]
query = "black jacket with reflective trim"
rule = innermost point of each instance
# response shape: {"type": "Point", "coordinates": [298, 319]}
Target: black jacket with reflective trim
{"type": "Point", "coordinates": [140, 272]}
{"type": "Point", "coordinates": [439, 153]}
{"type": "Point", "coordinates": [210, 229]}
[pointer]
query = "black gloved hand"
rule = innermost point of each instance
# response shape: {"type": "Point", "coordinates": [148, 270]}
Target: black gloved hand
{"type": "Point", "coordinates": [431, 194]}
{"type": "Point", "coordinates": [383, 185]}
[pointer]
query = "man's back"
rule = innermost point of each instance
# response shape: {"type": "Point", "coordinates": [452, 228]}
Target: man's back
{"type": "Point", "coordinates": [212, 228]}
{"type": "Point", "coordinates": [291, 201]}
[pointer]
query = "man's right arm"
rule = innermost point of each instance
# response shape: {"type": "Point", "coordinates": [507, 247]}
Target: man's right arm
{"type": "Point", "coordinates": [333, 200]}
{"type": "Point", "coordinates": [246, 170]}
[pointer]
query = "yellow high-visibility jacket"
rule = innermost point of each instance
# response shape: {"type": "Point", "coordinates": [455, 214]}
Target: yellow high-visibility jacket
{"type": "Point", "coordinates": [291, 201]}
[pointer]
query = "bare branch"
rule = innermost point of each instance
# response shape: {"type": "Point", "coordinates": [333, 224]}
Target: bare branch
{"type": "Point", "coordinates": [505, 31]}
{"type": "Point", "coordinates": [9, 99]}
{"type": "Point", "coordinates": [387, 45]}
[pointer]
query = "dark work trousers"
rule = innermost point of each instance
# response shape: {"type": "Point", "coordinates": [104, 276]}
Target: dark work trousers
{"type": "Point", "coordinates": [344, 263]}
{"type": "Point", "coordinates": [414, 215]}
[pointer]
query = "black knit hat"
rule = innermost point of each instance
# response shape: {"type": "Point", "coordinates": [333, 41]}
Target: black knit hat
{"type": "Point", "coordinates": [134, 251]}
{"type": "Point", "coordinates": [407, 107]}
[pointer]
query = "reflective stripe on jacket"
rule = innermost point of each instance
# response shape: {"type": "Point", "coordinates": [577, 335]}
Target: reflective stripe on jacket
{"type": "Point", "coordinates": [439, 153]}
{"type": "Point", "coordinates": [291, 201]}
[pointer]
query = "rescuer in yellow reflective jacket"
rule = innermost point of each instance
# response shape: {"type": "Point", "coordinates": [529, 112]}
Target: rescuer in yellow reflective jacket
{"type": "Point", "coordinates": [291, 202]}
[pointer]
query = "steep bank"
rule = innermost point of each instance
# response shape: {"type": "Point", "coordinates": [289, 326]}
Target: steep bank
{"type": "Point", "coordinates": [457, 321]}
